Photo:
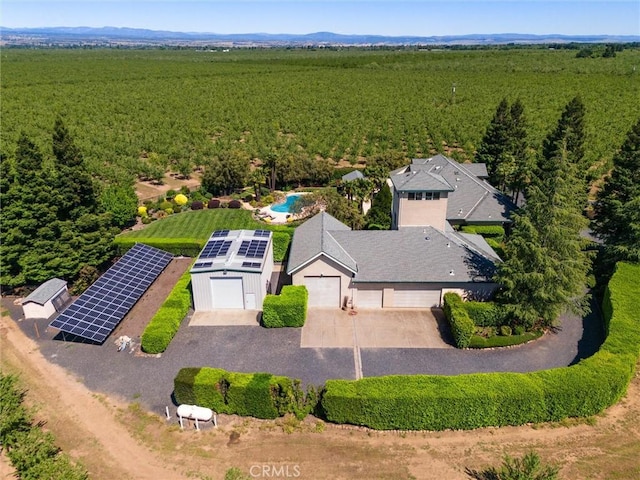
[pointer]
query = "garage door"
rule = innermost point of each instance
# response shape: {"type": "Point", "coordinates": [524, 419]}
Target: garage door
{"type": "Point", "coordinates": [368, 298]}
{"type": "Point", "coordinates": [227, 293]}
{"type": "Point", "coordinates": [407, 298]}
{"type": "Point", "coordinates": [323, 291]}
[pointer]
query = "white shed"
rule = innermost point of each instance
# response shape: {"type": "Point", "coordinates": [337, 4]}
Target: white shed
{"type": "Point", "coordinates": [233, 271]}
{"type": "Point", "coordinates": [50, 297]}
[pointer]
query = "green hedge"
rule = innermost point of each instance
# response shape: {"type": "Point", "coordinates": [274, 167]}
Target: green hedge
{"type": "Point", "coordinates": [166, 322]}
{"type": "Point", "coordinates": [281, 241]}
{"type": "Point", "coordinates": [484, 314]}
{"type": "Point", "coordinates": [289, 309]}
{"type": "Point", "coordinates": [462, 327]}
{"type": "Point", "coordinates": [435, 402]}
{"type": "Point", "coordinates": [501, 341]}
{"type": "Point", "coordinates": [178, 246]}
{"type": "Point", "coordinates": [496, 231]}
{"type": "Point", "coordinates": [260, 395]}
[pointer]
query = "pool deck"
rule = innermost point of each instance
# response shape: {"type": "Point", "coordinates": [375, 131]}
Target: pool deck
{"type": "Point", "coordinates": [277, 217]}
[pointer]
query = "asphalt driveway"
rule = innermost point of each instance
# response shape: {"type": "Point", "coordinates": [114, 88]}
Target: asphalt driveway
{"type": "Point", "coordinates": [148, 379]}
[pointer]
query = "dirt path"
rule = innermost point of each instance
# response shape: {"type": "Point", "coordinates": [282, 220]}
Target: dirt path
{"type": "Point", "coordinates": [115, 440]}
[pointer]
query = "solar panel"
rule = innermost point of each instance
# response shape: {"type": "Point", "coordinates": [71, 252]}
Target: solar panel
{"type": "Point", "coordinates": [220, 233]}
{"type": "Point", "coordinates": [97, 312]}
{"type": "Point", "coordinates": [215, 248]}
{"type": "Point", "coordinates": [253, 248]}
{"type": "Point", "coordinates": [203, 264]}
{"type": "Point", "coordinates": [261, 233]}
{"type": "Point", "coordinates": [251, 264]}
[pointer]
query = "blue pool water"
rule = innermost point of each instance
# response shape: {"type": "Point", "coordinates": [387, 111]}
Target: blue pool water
{"type": "Point", "coordinates": [286, 206]}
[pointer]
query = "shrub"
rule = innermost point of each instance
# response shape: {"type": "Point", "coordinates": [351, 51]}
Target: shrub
{"type": "Point", "coordinates": [248, 198]}
{"type": "Point", "coordinates": [170, 193]}
{"type": "Point", "coordinates": [147, 220]}
{"type": "Point", "coordinates": [505, 330]}
{"type": "Point", "coordinates": [494, 231]}
{"type": "Point", "coordinates": [462, 327]}
{"type": "Point", "coordinates": [165, 205]}
{"type": "Point", "coordinates": [235, 204]}
{"type": "Point", "coordinates": [484, 314]}
{"type": "Point", "coordinates": [495, 399]}
{"type": "Point", "coordinates": [181, 199]}
{"type": "Point", "coordinates": [519, 330]}
{"type": "Point", "coordinates": [289, 309]}
{"type": "Point", "coordinates": [142, 211]}
{"type": "Point", "coordinates": [281, 241]}
{"type": "Point", "coordinates": [213, 203]}
{"type": "Point", "coordinates": [260, 395]}
{"type": "Point", "coordinates": [197, 205]}
{"type": "Point", "coordinates": [168, 211]}
{"type": "Point", "coordinates": [165, 323]}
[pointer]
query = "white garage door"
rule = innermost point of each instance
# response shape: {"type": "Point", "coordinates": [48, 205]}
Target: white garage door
{"type": "Point", "coordinates": [323, 291]}
{"type": "Point", "coordinates": [368, 298]}
{"type": "Point", "coordinates": [227, 293]}
{"type": "Point", "coordinates": [406, 298]}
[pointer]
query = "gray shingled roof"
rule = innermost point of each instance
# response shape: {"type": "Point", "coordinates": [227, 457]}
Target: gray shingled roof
{"type": "Point", "coordinates": [314, 238]}
{"type": "Point", "coordinates": [477, 169]}
{"type": "Point", "coordinates": [472, 198]}
{"type": "Point", "coordinates": [355, 175]}
{"type": "Point", "coordinates": [46, 291]}
{"type": "Point", "coordinates": [419, 180]}
{"type": "Point", "coordinates": [414, 254]}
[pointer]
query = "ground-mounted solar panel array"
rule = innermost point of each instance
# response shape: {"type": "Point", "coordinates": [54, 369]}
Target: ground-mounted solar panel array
{"type": "Point", "coordinates": [97, 312]}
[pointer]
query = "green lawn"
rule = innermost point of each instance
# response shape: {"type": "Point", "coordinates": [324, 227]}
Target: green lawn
{"type": "Point", "coordinates": [197, 225]}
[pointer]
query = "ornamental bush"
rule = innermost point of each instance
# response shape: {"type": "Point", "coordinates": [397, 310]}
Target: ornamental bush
{"type": "Point", "coordinates": [485, 314]}
{"type": "Point", "coordinates": [260, 395]}
{"type": "Point", "coordinates": [213, 203]}
{"type": "Point", "coordinates": [493, 231]}
{"type": "Point", "coordinates": [281, 241]}
{"type": "Point", "coordinates": [235, 204]}
{"type": "Point", "coordinates": [181, 199]}
{"type": "Point", "coordinates": [289, 309]}
{"type": "Point", "coordinates": [197, 205]}
{"type": "Point", "coordinates": [462, 327]}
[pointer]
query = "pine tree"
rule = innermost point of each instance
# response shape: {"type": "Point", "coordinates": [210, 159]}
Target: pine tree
{"type": "Point", "coordinates": [495, 141]}
{"type": "Point", "coordinates": [545, 267]}
{"type": "Point", "coordinates": [617, 210]}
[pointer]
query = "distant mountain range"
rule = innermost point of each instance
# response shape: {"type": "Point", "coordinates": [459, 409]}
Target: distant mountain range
{"type": "Point", "coordinates": [138, 36]}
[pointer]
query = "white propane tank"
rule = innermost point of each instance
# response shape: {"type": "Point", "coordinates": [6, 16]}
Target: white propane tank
{"type": "Point", "coordinates": [194, 412]}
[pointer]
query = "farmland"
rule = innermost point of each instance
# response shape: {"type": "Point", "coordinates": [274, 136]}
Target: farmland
{"type": "Point", "coordinates": [129, 107]}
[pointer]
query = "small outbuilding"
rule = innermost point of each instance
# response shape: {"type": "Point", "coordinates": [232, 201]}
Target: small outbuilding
{"type": "Point", "coordinates": [233, 271]}
{"type": "Point", "coordinates": [50, 297]}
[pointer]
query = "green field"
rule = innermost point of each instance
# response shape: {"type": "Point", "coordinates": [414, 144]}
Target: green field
{"type": "Point", "coordinates": [197, 226]}
{"type": "Point", "coordinates": [187, 105]}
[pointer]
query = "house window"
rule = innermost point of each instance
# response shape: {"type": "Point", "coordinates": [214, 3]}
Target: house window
{"type": "Point", "coordinates": [432, 196]}
{"type": "Point", "coordinates": [415, 195]}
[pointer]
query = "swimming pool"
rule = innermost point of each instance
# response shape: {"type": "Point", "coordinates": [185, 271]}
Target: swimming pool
{"type": "Point", "coordinates": [286, 206]}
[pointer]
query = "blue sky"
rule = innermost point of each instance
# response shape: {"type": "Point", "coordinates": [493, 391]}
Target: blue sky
{"type": "Point", "coordinates": [383, 17]}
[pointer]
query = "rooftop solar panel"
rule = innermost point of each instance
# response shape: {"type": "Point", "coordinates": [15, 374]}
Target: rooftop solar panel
{"type": "Point", "coordinates": [220, 233]}
{"type": "Point", "coordinates": [97, 312]}
{"type": "Point", "coordinates": [261, 233]}
{"type": "Point", "coordinates": [251, 264]}
{"type": "Point", "coordinates": [216, 248]}
{"type": "Point", "coordinates": [253, 248]}
{"type": "Point", "coordinates": [203, 264]}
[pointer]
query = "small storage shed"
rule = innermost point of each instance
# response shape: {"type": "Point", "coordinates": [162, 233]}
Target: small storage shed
{"type": "Point", "coordinates": [233, 271]}
{"type": "Point", "coordinates": [50, 297]}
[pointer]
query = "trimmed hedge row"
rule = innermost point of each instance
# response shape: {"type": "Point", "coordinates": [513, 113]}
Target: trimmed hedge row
{"type": "Point", "coordinates": [484, 230]}
{"type": "Point", "coordinates": [281, 241]}
{"type": "Point", "coordinates": [485, 314]}
{"type": "Point", "coordinates": [462, 327]}
{"type": "Point", "coordinates": [178, 246]}
{"type": "Point", "coordinates": [165, 323]}
{"type": "Point", "coordinates": [435, 402]}
{"type": "Point", "coordinates": [289, 309]}
{"type": "Point", "coordinates": [503, 341]}
{"type": "Point", "coordinates": [260, 395]}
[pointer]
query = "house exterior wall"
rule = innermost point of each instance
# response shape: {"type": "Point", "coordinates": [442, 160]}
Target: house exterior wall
{"type": "Point", "coordinates": [325, 267]}
{"type": "Point", "coordinates": [468, 291]}
{"type": "Point", "coordinates": [419, 213]}
{"type": "Point", "coordinates": [252, 283]}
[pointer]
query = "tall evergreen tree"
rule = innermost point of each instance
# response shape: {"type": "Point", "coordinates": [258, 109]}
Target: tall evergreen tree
{"type": "Point", "coordinates": [617, 210]}
{"type": "Point", "coordinates": [545, 267]}
{"type": "Point", "coordinates": [569, 134]}
{"type": "Point", "coordinates": [504, 149]}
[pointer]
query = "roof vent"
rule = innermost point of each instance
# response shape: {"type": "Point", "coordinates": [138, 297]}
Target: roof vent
{"type": "Point", "coordinates": [448, 244]}
{"type": "Point", "coordinates": [451, 272]}
{"type": "Point", "coordinates": [456, 173]}
{"type": "Point", "coordinates": [427, 238]}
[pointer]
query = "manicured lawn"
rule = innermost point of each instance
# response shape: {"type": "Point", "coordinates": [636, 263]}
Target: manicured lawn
{"type": "Point", "coordinates": [181, 233]}
{"type": "Point", "coordinates": [198, 224]}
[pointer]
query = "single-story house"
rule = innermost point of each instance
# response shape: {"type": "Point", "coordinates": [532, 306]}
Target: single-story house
{"type": "Point", "coordinates": [233, 270]}
{"type": "Point", "coordinates": [50, 297]}
{"type": "Point", "coordinates": [421, 258]}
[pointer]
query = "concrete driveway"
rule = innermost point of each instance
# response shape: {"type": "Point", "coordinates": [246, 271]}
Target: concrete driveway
{"type": "Point", "coordinates": [387, 328]}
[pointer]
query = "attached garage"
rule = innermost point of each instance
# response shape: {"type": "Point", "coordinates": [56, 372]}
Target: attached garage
{"type": "Point", "coordinates": [227, 293]}
{"type": "Point", "coordinates": [368, 297]}
{"type": "Point", "coordinates": [323, 291]}
{"type": "Point", "coordinates": [411, 297]}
